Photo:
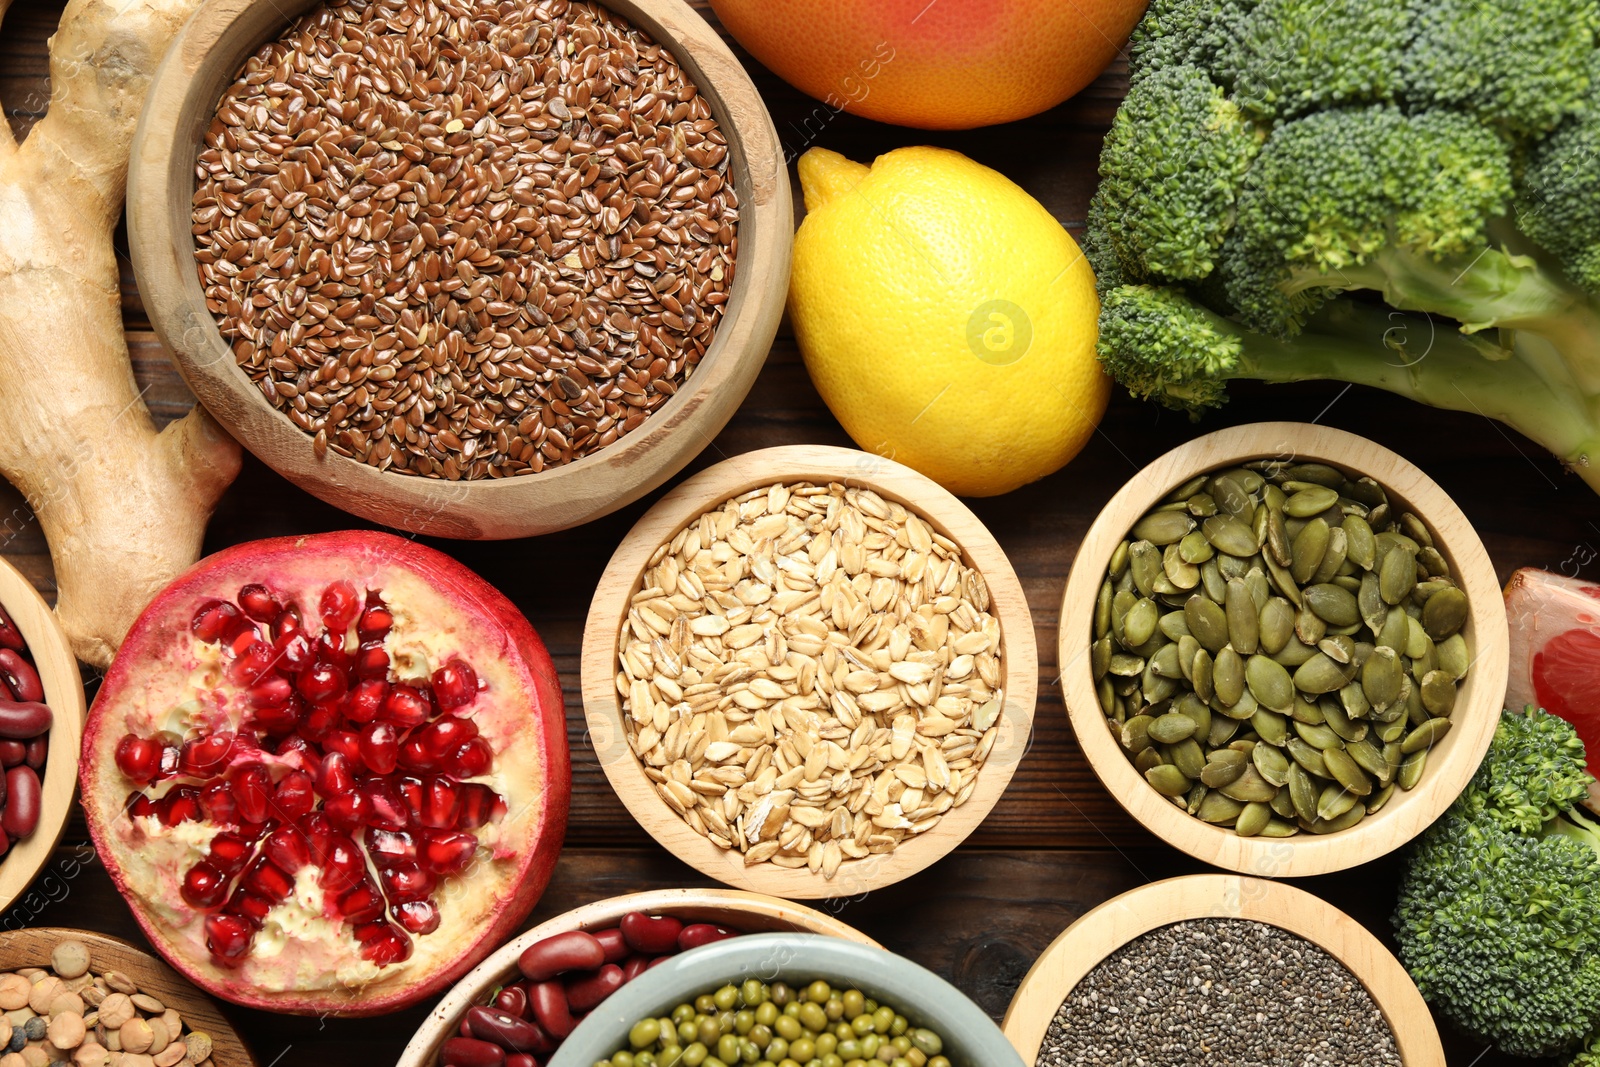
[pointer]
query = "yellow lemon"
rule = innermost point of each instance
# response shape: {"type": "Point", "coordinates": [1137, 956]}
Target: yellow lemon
{"type": "Point", "coordinates": [946, 318]}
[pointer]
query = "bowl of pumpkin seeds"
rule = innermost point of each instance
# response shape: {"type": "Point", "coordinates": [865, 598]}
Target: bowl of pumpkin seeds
{"type": "Point", "coordinates": [1284, 649]}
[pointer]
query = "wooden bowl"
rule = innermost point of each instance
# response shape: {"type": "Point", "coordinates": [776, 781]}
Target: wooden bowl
{"type": "Point", "coordinates": [1119, 920]}
{"type": "Point", "coordinates": [1451, 762]}
{"type": "Point", "coordinates": [32, 947]}
{"type": "Point", "coordinates": [205, 57]}
{"type": "Point", "coordinates": [747, 912]}
{"type": "Point", "coordinates": [821, 465]}
{"type": "Point", "coordinates": [63, 691]}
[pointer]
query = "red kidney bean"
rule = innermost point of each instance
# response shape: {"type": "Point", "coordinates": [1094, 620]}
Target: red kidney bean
{"type": "Point", "coordinates": [35, 751]}
{"type": "Point", "coordinates": [507, 1031]}
{"type": "Point", "coordinates": [21, 719]}
{"type": "Point", "coordinates": [10, 636]}
{"type": "Point", "coordinates": [585, 992]}
{"type": "Point", "coordinates": [574, 950]}
{"type": "Point", "coordinates": [658, 961]}
{"type": "Point", "coordinates": [635, 966]}
{"type": "Point", "coordinates": [616, 948]}
{"type": "Point", "coordinates": [550, 1008]}
{"type": "Point", "coordinates": [513, 1000]}
{"type": "Point", "coordinates": [20, 676]}
{"type": "Point", "coordinates": [463, 1029]}
{"type": "Point", "coordinates": [650, 935]}
{"type": "Point", "coordinates": [703, 934]}
{"type": "Point", "coordinates": [521, 1059]}
{"type": "Point", "coordinates": [22, 806]}
{"type": "Point", "coordinates": [12, 753]}
{"type": "Point", "coordinates": [468, 1052]}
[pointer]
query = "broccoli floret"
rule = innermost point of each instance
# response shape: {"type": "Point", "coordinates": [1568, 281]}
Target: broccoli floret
{"type": "Point", "coordinates": [1277, 160]}
{"type": "Point", "coordinates": [1498, 918]}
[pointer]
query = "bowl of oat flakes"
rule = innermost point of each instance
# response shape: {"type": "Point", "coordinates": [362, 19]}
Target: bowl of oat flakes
{"type": "Point", "coordinates": [459, 267]}
{"type": "Point", "coordinates": [809, 672]}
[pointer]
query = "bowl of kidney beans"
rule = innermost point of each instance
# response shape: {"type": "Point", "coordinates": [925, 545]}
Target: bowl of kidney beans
{"type": "Point", "coordinates": [515, 1008]}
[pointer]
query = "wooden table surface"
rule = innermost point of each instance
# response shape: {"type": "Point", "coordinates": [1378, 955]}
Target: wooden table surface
{"type": "Point", "coordinates": [1057, 843]}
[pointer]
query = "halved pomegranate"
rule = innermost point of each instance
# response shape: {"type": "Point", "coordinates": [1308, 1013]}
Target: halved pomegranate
{"type": "Point", "coordinates": [329, 773]}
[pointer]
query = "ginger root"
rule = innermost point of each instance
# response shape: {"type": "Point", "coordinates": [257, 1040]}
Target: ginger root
{"type": "Point", "coordinates": [122, 506]}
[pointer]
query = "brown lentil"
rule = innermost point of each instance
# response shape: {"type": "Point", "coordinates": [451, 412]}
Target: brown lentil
{"type": "Point", "coordinates": [464, 239]}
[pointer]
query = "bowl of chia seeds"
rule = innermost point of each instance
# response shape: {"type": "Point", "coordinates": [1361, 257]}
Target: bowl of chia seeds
{"type": "Point", "coordinates": [1284, 649]}
{"type": "Point", "coordinates": [1219, 969]}
{"type": "Point", "coordinates": [460, 267]}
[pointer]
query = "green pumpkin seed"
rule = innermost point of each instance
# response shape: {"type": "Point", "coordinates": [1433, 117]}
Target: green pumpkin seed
{"type": "Point", "coordinates": [1433, 563]}
{"type": "Point", "coordinates": [1180, 573]}
{"type": "Point", "coordinates": [1306, 756]}
{"type": "Point", "coordinates": [1270, 727]}
{"type": "Point", "coordinates": [1282, 580]}
{"type": "Point", "coordinates": [1194, 548]}
{"type": "Point", "coordinates": [1251, 480]}
{"type": "Point", "coordinates": [1310, 501]}
{"type": "Point", "coordinates": [1347, 772]}
{"type": "Point", "coordinates": [1411, 698]}
{"type": "Point", "coordinates": [1283, 802]}
{"type": "Point", "coordinates": [1343, 822]}
{"type": "Point", "coordinates": [1195, 797]}
{"type": "Point", "coordinates": [1135, 735]}
{"type": "Point", "coordinates": [1230, 495]}
{"type": "Point", "coordinates": [1124, 665]}
{"type": "Point", "coordinates": [1227, 534]}
{"type": "Point", "coordinates": [1172, 626]}
{"type": "Point", "coordinates": [1321, 674]}
{"type": "Point", "coordinates": [1309, 548]}
{"type": "Point", "coordinates": [1389, 539]}
{"type": "Point", "coordinates": [1279, 828]}
{"type": "Point", "coordinates": [1369, 758]}
{"type": "Point", "coordinates": [1382, 677]}
{"type": "Point", "coordinates": [1252, 820]}
{"type": "Point", "coordinates": [1231, 567]}
{"type": "Point", "coordinates": [1379, 799]}
{"type": "Point", "coordinates": [1207, 622]}
{"type": "Point", "coordinates": [1102, 610]}
{"type": "Point", "coordinates": [1418, 643]}
{"type": "Point", "coordinates": [1249, 787]}
{"type": "Point", "coordinates": [1188, 489]}
{"type": "Point", "coordinates": [1227, 676]}
{"type": "Point", "coordinates": [1100, 657]}
{"type": "Point", "coordinates": [1333, 605]}
{"type": "Point", "coordinates": [1338, 648]}
{"type": "Point", "coordinates": [1144, 564]}
{"type": "Point", "coordinates": [1391, 732]}
{"type": "Point", "coordinates": [1304, 711]}
{"type": "Point", "coordinates": [1277, 543]}
{"type": "Point", "coordinates": [1258, 525]}
{"type": "Point", "coordinates": [1317, 473]}
{"type": "Point", "coordinates": [1308, 627]}
{"type": "Point", "coordinates": [1378, 517]}
{"type": "Point", "coordinates": [1108, 698]}
{"type": "Point", "coordinates": [1438, 693]}
{"type": "Point", "coordinates": [1303, 792]}
{"type": "Point", "coordinates": [1340, 723]}
{"type": "Point", "coordinates": [1119, 559]}
{"type": "Point", "coordinates": [1411, 767]}
{"type": "Point", "coordinates": [1156, 686]}
{"type": "Point", "coordinates": [1393, 757]}
{"type": "Point", "coordinates": [1222, 730]}
{"type": "Point", "coordinates": [1243, 708]}
{"type": "Point", "coordinates": [1150, 757]}
{"type": "Point", "coordinates": [1295, 652]}
{"type": "Point", "coordinates": [1196, 709]}
{"type": "Point", "coordinates": [1397, 575]}
{"type": "Point", "coordinates": [1453, 657]}
{"type": "Point", "coordinates": [1163, 527]}
{"type": "Point", "coordinates": [1271, 764]}
{"type": "Point", "coordinates": [1212, 580]}
{"type": "Point", "coordinates": [1333, 559]}
{"type": "Point", "coordinates": [1202, 506]}
{"type": "Point", "coordinates": [1167, 780]}
{"type": "Point", "coordinates": [1425, 736]}
{"type": "Point", "coordinates": [1171, 728]}
{"type": "Point", "coordinates": [1201, 676]}
{"type": "Point", "coordinates": [1320, 737]}
{"type": "Point", "coordinates": [1396, 632]}
{"type": "Point", "coordinates": [1242, 618]}
{"type": "Point", "coordinates": [1163, 587]}
{"type": "Point", "coordinates": [1219, 809]}
{"type": "Point", "coordinates": [1333, 801]}
{"type": "Point", "coordinates": [1360, 548]}
{"type": "Point", "coordinates": [1275, 625]}
{"type": "Point", "coordinates": [1269, 683]}
{"type": "Point", "coordinates": [1121, 603]}
{"type": "Point", "coordinates": [1188, 757]}
{"type": "Point", "coordinates": [1223, 767]}
{"type": "Point", "coordinates": [1353, 701]}
{"type": "Point", "coordinates": [1139, 624]}
{"type": "Point", "coordinates": [1445, 613]}
{"type": "Point", "coordinates": [1369, 600]}
{"type": "Point", "coordinates": [1187, 649]}
{"type": "Point", "coordinates": [1415, 529]}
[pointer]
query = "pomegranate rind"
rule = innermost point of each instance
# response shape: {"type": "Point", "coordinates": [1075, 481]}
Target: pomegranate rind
{"type": "Point", "coordinates": [316, 968]}
{"type": "Point", "coordinates": [1554, 625]}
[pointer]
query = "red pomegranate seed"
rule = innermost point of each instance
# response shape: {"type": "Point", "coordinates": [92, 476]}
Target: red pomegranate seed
{"type": "Point", "coordinates": [139, 758]}
{"type": "Point", "coordinates": [455, 684]}
{"type": "Point", "coordinates": [342, 867]}
{"type": "Point", "coordinates": [376, 621]}
{"type": "Point", "coordinates": [294, 795]}
{"type": "Point", "coordinates": [267, 880]}
{"type": "Point", "coordinates": [411, 793]}
{"type": "Point", "coordinates": [347, 810]}
{"type": "Point", "coordinates": [335, 775]}
{"type": "Point", "coordinates": [319, 721]}
{"type": "Point", "coordinates": [383, 944]}
{"type": "Point", "coordinates": [215, 620]}
{"type": "Point", "coordinates": [203, 757]}
{"type": "Point", "coordinates": [345, 742]}
{"type": "Point", "coordinates": [386, 808]}
{"type": "Point", "coordinates": [380, 747]}
{"type": "Point", "coordinates": [287, 848]}
{"type": "Point", "coordinates": [271, 692]}
{"type": "Point", "coordinates": [289, 622]}
{"type": "Point", "coordinates": [339, 606]}
{"type": "Point", "coordinates": [280, 720]}
{"type": "Point", "coordinates": [322, 682]}
{"type": "Point", "coordinates": [242, 640]}
{"type": "Point", "coordinates": [407, 706]}
{"type": "Point", "coordinates": [229, 853]}
{"type": "Point", "coordinates": [471, 760]}
{"type": "Point", "coordinates": [140, 804]}
{"type": "Point", "coordinates": [366, 700]}
{"type": "Point", "coordinates": [252, 789]}
{"type": "Point", "coordinates": [441, 804]}
{"type": "Point", "coordinates": [372, 661]}
{"type": "Point", "coordinates": [180, 805]}
{"type": "Point", "coordinates": [333, 652]}
{"type": "Point", "coordinates": [254, 663]}
{"type": "Point", "coordinates": [361, 905]}
{"type": "Point", "coordinates": [250, 906]}
{"type": "Point", "coordinates": [295, 651]}
{"type": "Point", "coordinates": [297, 752]}
{"type": "Point", "coordinates": [443, 737]}
{"type": "Point", "coordinates": [414, 756]}
{"type": "Point", "coordinates": [204, 886]}
{"type": "Point", "coordinates": [218, 805]}
{"type": "Point", "coordinates": [449, 853]}
{"type": "Point", "coordinates": [257, 601]}
{"type": "Point", "coordinates": [319, 836]}
{"type": "Point", "coordinates": [389, 848]}
{"type": "Point", "coordinates": [479, 806]}
{"type": "Point", "coordinates": [408, 881]}
{"type": "Point", "coordinates": [228, 936]}
{"type": "Point", "coordinates": [418, 916]}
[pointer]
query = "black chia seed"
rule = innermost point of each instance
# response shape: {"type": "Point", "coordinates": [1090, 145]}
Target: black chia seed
{"type": "Point", "coordinates": [1220, 992]}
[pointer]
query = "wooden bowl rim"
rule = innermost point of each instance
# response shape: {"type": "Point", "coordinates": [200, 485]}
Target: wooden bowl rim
{"type": "Point", "coordinates": [1451, 763]}
{"type": "Point", "coordinates": [1111, 925]}
{"type": "Point", "coordinates": [817, 463]}
{"type": "Point", "coordinates": [28, 947]}
{"type": "Point", "coordinates": [63, 692]}
{"type": "Point", "coordinates": [560, 497]}
{"type": "Point", "coordinates": [698, 903]}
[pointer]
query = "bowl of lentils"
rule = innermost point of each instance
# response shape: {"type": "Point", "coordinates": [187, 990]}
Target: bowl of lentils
{"type": "Point", "coordinates": [1284, 649]}
{"type": "Point", "coordinates": [775, 999]}
{"type": "Point", "coordinates": [1219, 969]}
{"type": "Point", "coordinates": [460, 267]}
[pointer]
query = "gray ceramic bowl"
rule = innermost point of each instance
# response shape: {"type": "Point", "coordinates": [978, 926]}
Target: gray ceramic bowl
{"type": "Point", "coordinates": [970, 1038]}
